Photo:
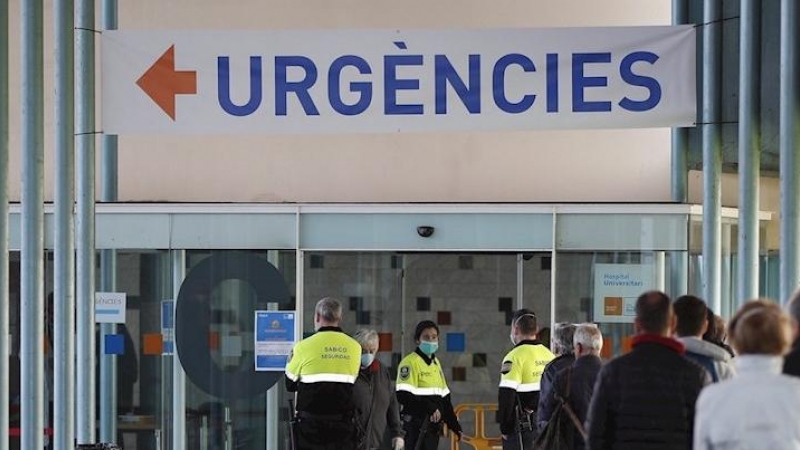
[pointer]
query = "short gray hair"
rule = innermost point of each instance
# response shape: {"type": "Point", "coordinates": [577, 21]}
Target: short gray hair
{"type": "Point", "coordinates": [366, 336]}
{"type": "Point", "coordinates": [562, 338]}
{"type": "Point", "coordinates": [589, 335]}
{"type": "Point", "coordinates": [329, 309]}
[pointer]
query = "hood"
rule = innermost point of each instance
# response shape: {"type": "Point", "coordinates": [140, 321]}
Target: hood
{"type": "Point", "coordinates": [705, 348]}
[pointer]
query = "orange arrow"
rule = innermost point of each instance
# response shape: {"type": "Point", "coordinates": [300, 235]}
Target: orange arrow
{"type": "Point", "coordinates": [162, 82]}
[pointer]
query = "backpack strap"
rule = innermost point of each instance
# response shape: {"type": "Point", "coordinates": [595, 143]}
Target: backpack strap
{"type": "Point", "coordinates": [565, 405]}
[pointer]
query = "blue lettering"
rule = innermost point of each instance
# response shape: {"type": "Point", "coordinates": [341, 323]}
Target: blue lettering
{"type": "Point", "coordinates": [300, 88]}
{"type": "Point", "coordinates": [651, 84]}
{"type": "Point", "coordinates": [552, 82]}
{"type": "Point", "coordinates": [470, 96]}
{"type": "Point", "coordinates": [499, 83]}
{"type": "Point", "coordinates": [364, 88]}
{"type": "Point", "coordinates": [224, 87]}
{"type": "Point", "coordinates": [581, 82]}
{"type": "Point", "coordinates": [392, 84]}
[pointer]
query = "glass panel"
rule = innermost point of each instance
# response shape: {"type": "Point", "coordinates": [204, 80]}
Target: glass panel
{"type": "Point", "coordinates": [583, 297]}
{"type": "Point", "coordinates": [212, 419]}
{"type": "Point", "coordinates": [470, 296]}
{"type": "Point", "coordinates": [622, 232]}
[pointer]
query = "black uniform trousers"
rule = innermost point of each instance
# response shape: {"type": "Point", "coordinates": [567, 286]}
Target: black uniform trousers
{"type": "Point", "coordinates": [513, 441]}
{"type": "Point", "coordinates": [315, 434]}
{"type": "Point", "coordinates": [413, 426]}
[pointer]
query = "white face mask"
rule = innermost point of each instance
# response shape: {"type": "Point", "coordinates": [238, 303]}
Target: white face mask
{"type": "Point", "coordinates": [513, 341]}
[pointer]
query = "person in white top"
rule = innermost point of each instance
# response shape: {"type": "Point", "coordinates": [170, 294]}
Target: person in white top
{"type": "Point", "coordinates": [758, 407]}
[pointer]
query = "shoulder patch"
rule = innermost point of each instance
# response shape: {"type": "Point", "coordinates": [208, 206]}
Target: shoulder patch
{"type": "Point", "coordinates": [405, 371]}
{"type": "Point", "coordinates": [505, 367]}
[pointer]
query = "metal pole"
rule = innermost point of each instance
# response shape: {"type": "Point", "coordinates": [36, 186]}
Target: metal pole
{"type": "Point", "coordinates": [4, 296]}
{"type": "Point", "coordinates": [273, 256]}
{"type": "Point", "coordinates": [790, 160]}
{"type": "Point", "coordinates": [680, 150]}
{"type": "Point", "coordinates": [178, 376]}
{"type": "Point", "coordinates": [32, 263]}
{"type": "Point", "coordinates": [679, 260]}
{"type": "Point", "coordinates": [64, 252]}
{"type": "Point", "coordinates": [85, 242]}
{"type": "Point", "coordinates": [108, 264]}
{"type": "Point", "coordinates": [712, 155]}
{"type": "Point", "coordinates": [749, 150]}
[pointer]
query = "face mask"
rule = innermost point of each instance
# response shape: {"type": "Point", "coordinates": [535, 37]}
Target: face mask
{"type": "Point", "coordinates": [429, 348]}
{"type": "Point", "coordinates": [513, 341]}
{"type": "Point", "coordinates": [366, 359]}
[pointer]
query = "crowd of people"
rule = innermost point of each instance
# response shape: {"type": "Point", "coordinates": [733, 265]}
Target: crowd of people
{"type": "Point", "coordinates": [687, 382]}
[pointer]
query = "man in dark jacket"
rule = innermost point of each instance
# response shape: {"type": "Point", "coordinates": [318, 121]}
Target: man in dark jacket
{"type": "Point", "coordinates": [562, 348]}
{"type": "Point", "coordinates": [645, 400]}
{"type": "Point", "coordinates": [791, 365]}
{"type": "Point", "coordinates": [581, 377]}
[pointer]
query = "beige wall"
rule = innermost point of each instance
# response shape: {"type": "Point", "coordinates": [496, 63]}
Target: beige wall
{"type": "Point", "coordinates": [611, 165]}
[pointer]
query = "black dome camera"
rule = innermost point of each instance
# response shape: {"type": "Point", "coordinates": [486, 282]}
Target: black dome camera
{"type": "Point", "coordinates": [425, 231]}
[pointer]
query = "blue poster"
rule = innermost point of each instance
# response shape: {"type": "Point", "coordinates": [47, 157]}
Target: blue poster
{"type": "Point", "coordinates": [275, 337]}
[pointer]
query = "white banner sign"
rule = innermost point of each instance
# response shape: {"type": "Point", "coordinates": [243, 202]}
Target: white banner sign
{"type": "Point", "coordinates": [389, 80]}
{"type": "Point", "coordinates": [109, 307]}
{"type": "Point", "coordinates": [616, 288]}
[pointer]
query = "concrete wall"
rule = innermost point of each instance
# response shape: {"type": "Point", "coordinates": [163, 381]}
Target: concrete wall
{"type": "Point", "coordinates": [610, 165]}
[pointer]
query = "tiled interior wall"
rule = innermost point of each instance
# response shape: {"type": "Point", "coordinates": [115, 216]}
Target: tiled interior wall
{"type": "Point", "coordinates": [470, 296]}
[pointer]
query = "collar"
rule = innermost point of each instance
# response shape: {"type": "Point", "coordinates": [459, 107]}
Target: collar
{"type": "Point", "coordinates": [372, 368]}
{"type": "Point", "coordinates": [588, 360]}
{"type": "Point", "coordinates": [425, 357]}
{"type": "Point", "coordinates": [670, 343]}
{"type": "Point", "coordinates": [529, 342]}
{"type": "Point", "coordinates": [758, 364]}
{"type": "Point", "coordinates": [330, 329]}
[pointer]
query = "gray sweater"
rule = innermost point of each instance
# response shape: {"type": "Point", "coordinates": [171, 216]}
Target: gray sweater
{"type": "Point", "coordinates": [376, 404]}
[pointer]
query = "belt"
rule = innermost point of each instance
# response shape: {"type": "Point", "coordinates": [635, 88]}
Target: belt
{"type": "Point", "coordinates": [328, 417]}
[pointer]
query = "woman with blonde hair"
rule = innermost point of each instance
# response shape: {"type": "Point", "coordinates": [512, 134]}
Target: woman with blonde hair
{"type": "Point", "coordinates": [757, 408]}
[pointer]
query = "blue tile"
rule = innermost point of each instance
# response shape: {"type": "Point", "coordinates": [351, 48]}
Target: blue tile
{"type": "Point", "coordinates": [456, 342]}
{"type": "Point", "coordinates": [114, 344]}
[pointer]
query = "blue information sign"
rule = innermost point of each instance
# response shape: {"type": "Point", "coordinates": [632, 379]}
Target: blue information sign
{"type": "Point", "coordinates": [274, 339]}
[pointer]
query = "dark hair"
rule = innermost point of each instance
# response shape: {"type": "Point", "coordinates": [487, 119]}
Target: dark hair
{"type": "Point", "coordinates": [525, 320]}
{"type": "Point", "coordinates": [692, 314]}
{"type": "Point", "coordinates": [793, 307]}
{"type": "Point", "coordinates": [424, 325]}
{"type": "Point", "coordinates": [652, 312]}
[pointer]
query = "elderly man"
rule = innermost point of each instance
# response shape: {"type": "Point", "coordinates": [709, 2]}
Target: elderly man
{"type": "Point", "coordinates": [791, 365]}
{"type": "Point", "coordinates": [562, 348]}
{"type": "Point", "coordinates": [322, 370]}
{"type": "Point", "coordinates": [580, 376]}
{"type": "Point", "coordinates": [645, 400]}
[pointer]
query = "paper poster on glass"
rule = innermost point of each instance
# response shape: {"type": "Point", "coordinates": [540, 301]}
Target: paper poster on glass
{"type": "Point", "coordinates": [274, 338]}
{"type": "Point", "coordinates": [616, 288]}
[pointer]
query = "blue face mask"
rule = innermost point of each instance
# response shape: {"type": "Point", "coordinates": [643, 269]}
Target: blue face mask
{"type": "Point", "coordinates": [429, 348]}
{"type": "Point", "coordinates": [366, 359]}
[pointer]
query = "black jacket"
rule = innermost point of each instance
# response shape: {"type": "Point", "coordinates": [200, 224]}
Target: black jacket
{"type": "Point", "coordinates": [791, 365]}
{"type": "Point", "coordinates": [376, 404]}
{"type": "Point", "coordinates": [645, 400]}
{"type": "Point", "coordinates": [552, 368]}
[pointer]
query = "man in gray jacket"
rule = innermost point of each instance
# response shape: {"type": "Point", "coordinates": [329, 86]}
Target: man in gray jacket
{"type": "Point", "coordinates": [691, 314]}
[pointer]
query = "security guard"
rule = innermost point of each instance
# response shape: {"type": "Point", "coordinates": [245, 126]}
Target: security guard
{"type": "Point", "coordinates": [322, 370]}
{"type": "Point", "coordinates": [521, 372]}
{"type": "Point", "coordinates": [422, 392]}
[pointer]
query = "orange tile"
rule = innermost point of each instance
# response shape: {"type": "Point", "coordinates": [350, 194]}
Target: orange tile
{"type": "Point", "coordinates": [608, 347]}
{"type": "Point", "coordinates": [152, 344]}
{"type": "Point", "coordinates": [384, 342]}
{"type": "Point", "coordinates": [213, 340]}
